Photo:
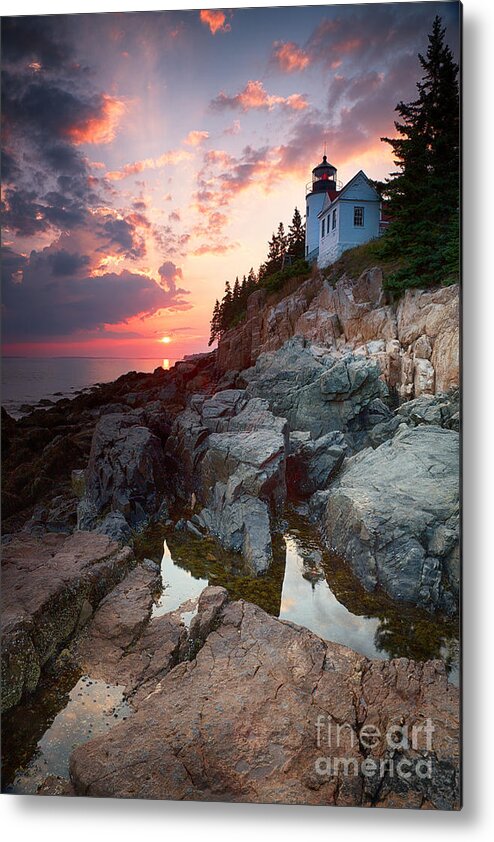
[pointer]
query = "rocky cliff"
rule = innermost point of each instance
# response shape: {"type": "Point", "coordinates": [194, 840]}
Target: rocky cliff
{"type": "Point", "coordinates": [415, 340]}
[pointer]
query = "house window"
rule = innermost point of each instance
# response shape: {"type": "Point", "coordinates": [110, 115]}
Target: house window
{"type": "Point", "coordinates": [322, 227]}
{"type": "Point", "coordinates": [333, 223]}
{"type": "Point", "coordinates": [358, 217]}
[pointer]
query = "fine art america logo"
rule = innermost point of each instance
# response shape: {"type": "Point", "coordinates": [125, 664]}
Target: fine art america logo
{"type": "Point", "coordinates": [334, 738]}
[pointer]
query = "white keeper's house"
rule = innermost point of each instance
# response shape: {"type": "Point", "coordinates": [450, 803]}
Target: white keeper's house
{"type": "Point", "coordinates": [339, 217]}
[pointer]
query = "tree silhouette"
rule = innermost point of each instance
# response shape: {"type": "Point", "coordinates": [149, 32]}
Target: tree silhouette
{"type": "Point", "coordinates": [424, 193]}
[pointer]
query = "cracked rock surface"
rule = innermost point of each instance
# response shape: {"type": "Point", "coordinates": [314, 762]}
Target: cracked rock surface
{"type": "Point", "coordinates": [239, 722]}
{"type": "Point", "coordinates": [232, 454]}
{"type": "Point", "coordinates": [50, 586]}
{"type": "Point", "coordinates": [393, 513]}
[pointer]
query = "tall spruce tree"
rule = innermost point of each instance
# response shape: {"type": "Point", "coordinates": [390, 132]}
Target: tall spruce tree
{"type": "Point", "coordinates": [296, 236]}
{"type": "Point", "coordinates": [215, 323]}
{"type": "Point", "coordinates": [423, 197]}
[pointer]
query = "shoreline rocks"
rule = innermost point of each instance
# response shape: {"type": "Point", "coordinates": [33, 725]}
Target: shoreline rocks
{"type": "Point", "coordinates": [126, 476]}
{"type": "Point", "coordinates": [50, 587]}
{"type": "Point", "coordinates": [318, 391]}
{"type": "Point", "coordinates": [232, 453]}
{"type": "Point", "coordinates": [247, 721]}
{"type": "Point", "coordinates": [393, 514]}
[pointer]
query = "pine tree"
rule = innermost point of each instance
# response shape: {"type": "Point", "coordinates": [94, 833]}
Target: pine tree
{"type": "Point", "coordinates": [424, 194]}
{"type": "Point", "coordinates": [296, 236]}
{"type": "Point", "coordinates": [251, 279]}
{"type": "Point", "coordinates": [282, 241]}
{"type": "Point", "coordinates": [215, 323]}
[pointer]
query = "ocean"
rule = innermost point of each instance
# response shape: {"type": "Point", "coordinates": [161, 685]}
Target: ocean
{"type": "Point", "coordinates": [27, 380]}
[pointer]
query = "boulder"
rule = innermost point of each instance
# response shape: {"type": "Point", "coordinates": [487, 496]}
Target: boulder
{"type": "Point", "coordinates": [116, 527]}
{"type": "Point", "coordinates": [317, 390]}
{"type": "Point", "coordinates": [241, 524]}
{"type": "Point", "coordinates": [125, 474]}
{"type": "Point", "coordinates": [49, 587]}
{"type": "Point", "coordinates": [441, 410]}
{"type": "Point", "coordinates": [232, 456]}
{"type": "Point", "coordinates": [262, 711]}
{"type": "Point", "coordinates": [122, 644]}
{"type": "Point", "coordinates": [393, 514]}
{"type": "Point", "coordinates": [312, 464]}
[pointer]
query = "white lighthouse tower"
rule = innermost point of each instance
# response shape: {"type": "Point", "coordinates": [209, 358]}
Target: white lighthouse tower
{"type": "Point", "coordinates": [323, 181]}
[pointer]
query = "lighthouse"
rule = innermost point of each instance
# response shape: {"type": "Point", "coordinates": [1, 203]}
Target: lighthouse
{"type": "Point", "coordinates": [323, 182]}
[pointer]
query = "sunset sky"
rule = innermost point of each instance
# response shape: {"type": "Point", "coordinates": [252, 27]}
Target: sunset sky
{"type": "Point", "coordinates": [147, 157]}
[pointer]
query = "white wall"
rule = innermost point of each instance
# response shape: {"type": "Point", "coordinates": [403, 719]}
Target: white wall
{"type": "Point", "coordinates": [313, 206]}
{"type": "Point", "coordinates": [329, 248]}
{"type": "Point", "coordinates": [346, 235]}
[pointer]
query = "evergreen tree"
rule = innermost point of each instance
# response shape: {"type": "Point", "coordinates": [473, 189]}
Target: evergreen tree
{"type": "Point", "coordinates": [251, 279]}
{"type": "Point", "coordinates": [424, 194]}
{"type": "Point", "coordinates": [282, 240]}
{"type": "Point", "coordinates": [215, 323]}
{"type": "Point", "coordinates": [228, 297]}
{"type": "Point", "coordinates": [277, 247]}
{"type": "Point", "coordinates": [296, 236]}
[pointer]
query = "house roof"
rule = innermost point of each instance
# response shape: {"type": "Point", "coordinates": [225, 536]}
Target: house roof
{"type": "Point", "coordinates": [333, 195]}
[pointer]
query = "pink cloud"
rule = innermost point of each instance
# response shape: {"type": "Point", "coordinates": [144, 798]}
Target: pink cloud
{"type": "Point", "coordinates": [215, 19]}
{"type": "Point", "coordinates": [195, 137]}
{"type": "Point", "coordinates": [214, 248]}
{"type": "Point", "coordinates": [233, 129]}
{"type": "Point", "coordinates": [100, 127]}
{"type": "Point", "coordinates": [255, 96]}
{"type": "Point", "coordinates": [175, 156]}
{"type": "Point", "coordinates": [290, 57]}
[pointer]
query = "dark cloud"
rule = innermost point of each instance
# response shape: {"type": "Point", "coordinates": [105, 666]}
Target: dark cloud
{"type": "Point", "coordinates": [360, 35]}
{"type": "Point", "coordinates": [171, 275]}
{"type": "Point", "coordinates": [49, 108]}
{"type": "Point", "coordinates": [122, 235]}
{"type": "Point", "coordinates": [22, 213]}
{"type": "Point", "coordinates": [41, 302]}
{"type": "Point", "coordinates": [12, 264]}
{"type": "Point", "coordinates": [67, 264]}
{"type": "Point", "coordinates": [33, 38]}
{"type": "Point", "coordinates": [10, 168]}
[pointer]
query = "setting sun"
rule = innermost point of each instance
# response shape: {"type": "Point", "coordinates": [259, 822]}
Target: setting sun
{"type": "Point", "coordinates": [166, 340]}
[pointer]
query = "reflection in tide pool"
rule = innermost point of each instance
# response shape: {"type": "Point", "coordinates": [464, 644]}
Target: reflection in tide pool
{"type": "Point", "coordinates": [179, 585]}
{"type": "Point", "coordinates": [307, 599]}
{"type": "Point", "coordinates": [308, 586]}
{"type": "Point", "coordinates": [92, 708]}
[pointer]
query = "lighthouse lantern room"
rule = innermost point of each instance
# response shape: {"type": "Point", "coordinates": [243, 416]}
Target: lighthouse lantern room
{"type": "Point", "coordinates": [323, 180]}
